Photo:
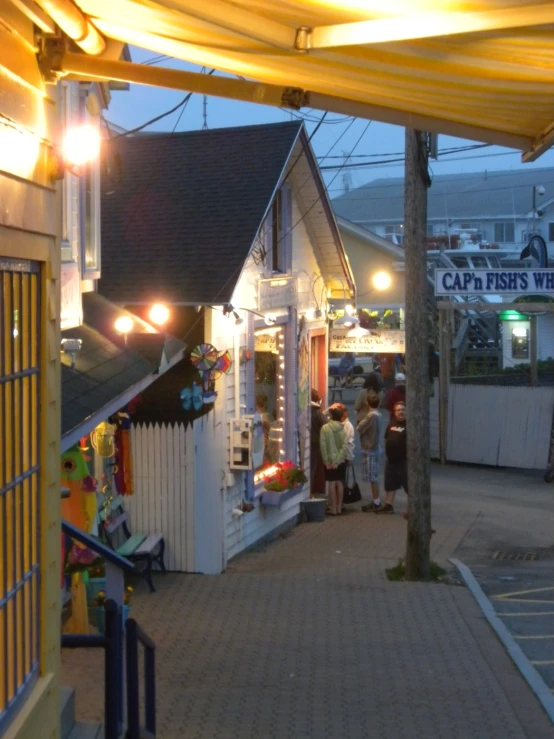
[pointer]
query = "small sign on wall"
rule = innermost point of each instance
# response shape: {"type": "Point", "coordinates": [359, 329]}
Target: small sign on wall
{"type": "Point", "coordinates": [380, 342]}
{"type": "Point", "coordinates": [277, 292]}
{"type": "Point", "coordinates": [494, 281]}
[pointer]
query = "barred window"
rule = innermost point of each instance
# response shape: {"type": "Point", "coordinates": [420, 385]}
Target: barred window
{"type": "Point", "coordinates": [19, 480]}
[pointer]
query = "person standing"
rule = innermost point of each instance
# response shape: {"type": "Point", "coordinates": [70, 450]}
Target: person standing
{"type": "Point", "coordinates": [371, 388]}
{"type": "Point", "coordinates": [396, 394]}
{"type": "Point", "coordinates": [387, 362]}
{"type": "Point", "coordinates": [317, 421]}
{"type": "Point", "coordinates": [334, 445]}
{"type": "Point", "coordinates": [396, 465]}
{"type": "Point", "coordinates": [370, 431]}
{"type": "Point", "coordinates": [349, 431]}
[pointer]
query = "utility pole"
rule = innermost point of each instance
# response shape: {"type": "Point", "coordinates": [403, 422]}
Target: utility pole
{"type": "Point", "coordinates": [416, 182]}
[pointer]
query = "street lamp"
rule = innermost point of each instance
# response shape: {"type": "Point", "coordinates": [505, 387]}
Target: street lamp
{"type": "Point", "coordinates": [537, 190]}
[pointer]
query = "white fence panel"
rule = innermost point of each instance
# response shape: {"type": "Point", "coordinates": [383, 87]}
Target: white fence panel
{"type": "Point", "coordinates": [163, 501]}
{"type": "Point", "coordinates": [500, 426]}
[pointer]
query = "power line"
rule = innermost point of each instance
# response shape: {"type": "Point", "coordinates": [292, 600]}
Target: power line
{"type": "Point", "coordinates": [436, 194]}
{"type": "Point", "coordinates": [449, 150]}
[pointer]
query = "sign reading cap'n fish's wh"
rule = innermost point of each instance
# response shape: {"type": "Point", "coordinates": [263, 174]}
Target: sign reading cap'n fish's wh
{"type": "Point", "coordinates": [494, 281]}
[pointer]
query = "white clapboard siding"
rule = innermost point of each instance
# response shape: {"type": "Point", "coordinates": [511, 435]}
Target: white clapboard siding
{"type": "Point", "coordinates": [163, 501]}
{"type": "Point", "coordinates": [500, 426]}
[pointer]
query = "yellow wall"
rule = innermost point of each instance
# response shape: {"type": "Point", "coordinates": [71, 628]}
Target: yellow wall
{"type": "Point", "coordinates": [30, 222]}
{"type": "Point", "coordinates": [365, 261]}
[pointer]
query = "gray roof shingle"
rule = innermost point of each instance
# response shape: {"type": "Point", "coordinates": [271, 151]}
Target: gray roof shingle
{"type": "Point", "coordinates": [180, 222]}
{"type": "Point", "coordinates": [465, 195]}
{"type": "Point", "coordinates": [107, 367]}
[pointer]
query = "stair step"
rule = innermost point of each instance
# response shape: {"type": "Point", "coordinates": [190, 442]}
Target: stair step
{"type": "Point", "coordinates": [67, 711]}
{"type": "Point", "coordinates": [86, 731]}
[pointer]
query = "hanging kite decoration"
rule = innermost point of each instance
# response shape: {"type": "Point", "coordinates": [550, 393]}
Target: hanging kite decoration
{"type": "Point", "coordinates": [191, 398]}
{"type": "Point", "coordinates": [211, 364]}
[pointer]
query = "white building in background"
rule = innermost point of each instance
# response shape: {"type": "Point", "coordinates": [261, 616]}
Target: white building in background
{"type": "Point", "coordinates": [495, 206]}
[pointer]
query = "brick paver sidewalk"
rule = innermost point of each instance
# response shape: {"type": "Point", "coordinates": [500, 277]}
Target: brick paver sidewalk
{"type": "Point", "coordinates": [306, 638]}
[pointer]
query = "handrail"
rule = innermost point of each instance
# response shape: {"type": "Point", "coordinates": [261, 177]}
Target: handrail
{"type": "Point", "coordinates": [112, 643]}
{"type": "Point", "coordinates": [97, 546]}
{"type": "Point", "coordinates": [134, 635]}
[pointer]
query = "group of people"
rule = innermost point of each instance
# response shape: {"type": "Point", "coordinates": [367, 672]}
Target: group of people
{"type": "Point", "coordinates": [333, 444]}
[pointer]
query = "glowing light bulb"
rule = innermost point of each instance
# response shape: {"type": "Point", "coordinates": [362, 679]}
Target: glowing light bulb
{"type": "Point", "coordinates": [159, 314]}
{"type": "Point", "coordinates": [81, 145]}
{"type": "Point", "coordinates": [381, 280]}
{"type": "Point", "coordinates": [124, 324]}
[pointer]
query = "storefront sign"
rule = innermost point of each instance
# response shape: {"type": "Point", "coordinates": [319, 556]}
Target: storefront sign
{"type": "Point", "coordinates": [266, 342]}
{"type": "Point", "coordinates": [493, 281]}
{"type": "Point", "coordinates": [71, 309]}
{"type": "Point", "coordinates": [277, 292]}
{"type": "Point", "coordinates": [376, 342]}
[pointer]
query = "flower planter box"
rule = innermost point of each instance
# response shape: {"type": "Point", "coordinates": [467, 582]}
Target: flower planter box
{"type": "Point", "coordinates": [97, 616]}
{"type": "Point", "coordinates": [272, 498]}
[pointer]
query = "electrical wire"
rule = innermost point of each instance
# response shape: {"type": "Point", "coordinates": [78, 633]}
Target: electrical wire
{"type": "Point", "coordinates": [449, 150]}
{"type": "Point", "coordinates": [183, 102]}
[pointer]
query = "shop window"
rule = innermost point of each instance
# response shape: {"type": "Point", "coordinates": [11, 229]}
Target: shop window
{"type": "Point", "coordinates": [504, 232]}
{"type": "Point", "coordinates": [269, 391]}
{"type": "Point", "coordinates": [520, 343]}
{"type": "Point", "coordinates": [19, 482]}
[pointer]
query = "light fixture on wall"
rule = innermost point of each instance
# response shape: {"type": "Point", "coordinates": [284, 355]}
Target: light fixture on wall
{"type": "Point", "coordinates": [159, 314]}
{"type": "Point", "coordinates": [270, 319]}
{"type": "Point", "coordinates": [72, 347]}
{"type": "Point", "coordinates": [230, 312]}
{"type": "Point", "coordinates": [381, 280]}
{"type": "Point", "coordinates": [80, 146]}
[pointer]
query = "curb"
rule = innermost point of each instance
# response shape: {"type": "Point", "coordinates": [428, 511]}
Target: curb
{"type": "Point", "coordinates": [534, 680]}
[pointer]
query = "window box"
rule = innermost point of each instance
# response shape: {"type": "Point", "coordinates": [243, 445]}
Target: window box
{"type": "Point", "coordinates": [272, 498]}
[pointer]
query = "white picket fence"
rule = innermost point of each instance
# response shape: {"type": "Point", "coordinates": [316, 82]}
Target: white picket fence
{"type": "Point", "coordinates": [163, 501]}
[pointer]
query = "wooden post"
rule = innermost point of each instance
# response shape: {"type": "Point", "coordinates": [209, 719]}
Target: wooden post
{"type": "Point", "coordinates": [533, 351]}
{"type": "Point", "coordinates": [417, 356]}
{"type": "Point", "coordinates": [444, 361]}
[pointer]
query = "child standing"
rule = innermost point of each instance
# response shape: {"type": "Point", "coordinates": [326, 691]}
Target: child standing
{"type": "Point", "coordinates": [370, 430]}
{"type": "Point", "coordinates": [333, 444]}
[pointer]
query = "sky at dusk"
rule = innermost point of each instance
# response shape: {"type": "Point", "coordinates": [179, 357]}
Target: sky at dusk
{"type": "Point", "coordinates": [337, 136]}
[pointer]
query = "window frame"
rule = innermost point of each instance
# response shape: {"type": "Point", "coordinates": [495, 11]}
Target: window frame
{"type": "Point", "coordinates": [20, 399]}
{"type": "Point", "coordinates": [92, 171]}
{"type": "Point", "coordinates": [504, 225]}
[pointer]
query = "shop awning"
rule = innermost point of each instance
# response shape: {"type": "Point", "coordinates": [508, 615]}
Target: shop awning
{"type": "Point", "coordinates": [481, 70]}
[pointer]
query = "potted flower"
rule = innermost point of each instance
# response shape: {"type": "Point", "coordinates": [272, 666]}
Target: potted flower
{"type": "Point", "coordinates": [96, 579]}
{"type": "Point", "coordinates": [279, 479]}
{"type": "Point", "coordinates": [98, 608]}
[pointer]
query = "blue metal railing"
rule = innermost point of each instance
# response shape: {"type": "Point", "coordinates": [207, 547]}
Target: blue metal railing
{"type": "Point", "coordinates": [112, 642]}
{"type": "Point", "coordinates": [134, 635]}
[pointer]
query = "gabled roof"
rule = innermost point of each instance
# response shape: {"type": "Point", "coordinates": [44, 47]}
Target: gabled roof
{"type": "Point", "coordinates": [474, 195]}
{"type": "Point", "coordinates": [180, 221]}
{"type": "Point", "coordinates": [108, 372]}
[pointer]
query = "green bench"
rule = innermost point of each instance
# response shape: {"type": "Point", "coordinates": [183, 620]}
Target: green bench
{"type": "Point", "coordinates": [144, 550]}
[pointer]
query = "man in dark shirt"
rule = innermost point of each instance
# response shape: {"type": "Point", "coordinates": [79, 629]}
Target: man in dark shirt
{"type": "Point", "coordinates": [396, 465]}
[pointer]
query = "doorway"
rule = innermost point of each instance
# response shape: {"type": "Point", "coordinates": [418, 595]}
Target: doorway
{"type": "Point", "coordinates": [318, 363]}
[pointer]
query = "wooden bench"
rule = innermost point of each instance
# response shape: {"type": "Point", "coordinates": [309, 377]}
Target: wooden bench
{"type": "Point", "coordinates": [142, 549]}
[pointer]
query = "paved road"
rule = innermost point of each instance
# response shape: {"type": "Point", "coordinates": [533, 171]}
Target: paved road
{"type": "Point", "coordinates": [515, 522]}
